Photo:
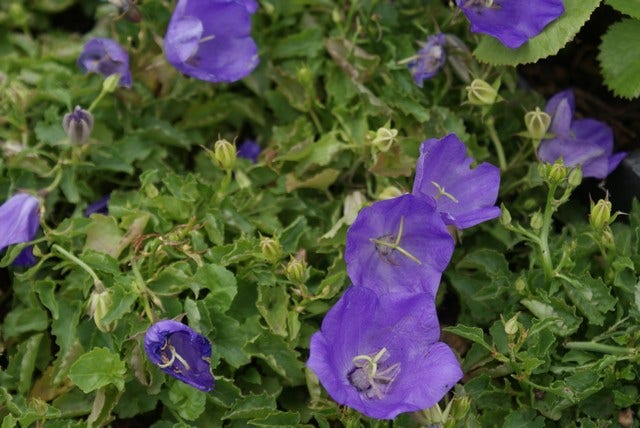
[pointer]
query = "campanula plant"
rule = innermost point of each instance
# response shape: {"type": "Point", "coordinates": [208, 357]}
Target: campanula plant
{"type": "Point", "coordinates": [584, 142]}
{"type": "Point", "coordinates": [20, 222]}
{"type": "Point", "coordinates": [381, 355]}
{"type": "Point", "coordinates": [106, 57]}
{"type": "Point", "coordinates": [429, 59]}
{"type": "Point", "coordinates": [180, 352]}
{"type": "Point", "coordinates": [211, 40]}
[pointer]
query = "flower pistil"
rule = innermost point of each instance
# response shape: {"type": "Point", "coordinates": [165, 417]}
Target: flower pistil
{"type": "Point", "coordinates": [387, 243]}
{"type": "Point", "coordinates": [372, 375]}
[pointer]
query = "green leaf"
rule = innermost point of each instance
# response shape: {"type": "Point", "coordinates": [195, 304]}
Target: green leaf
{"type": "Point", "coordinates": [103, 235]}
{"type": "Point", "coordinates": [97, 368]}
{"type": "Point", "coordinates": [278, 419]}
{"type": "Point", "coordinates": [280, 356]}
{"type": "Point", "coordinates": [21, 320]}
{"type": "Point", "coordinates": [630, 7]}
{"type": "Point", "coordinates": [187, 401]}
{"type": "Point", "coordinates": [549, 42]}
{"type": "Point", "coordinates": [252, 406]}
{"type": "Point", "coordinates": [220, 282]}
{"type": "Point", "coordinates": [591, 296]}
{"type": "Point", "coordinates": [473, 334]}
{"type": "Point", "coordinates": [619, 60]}
{"type": "Point", "coordinates": [273, 304]}
{"type": "Point", "coordinates": [566, 322]}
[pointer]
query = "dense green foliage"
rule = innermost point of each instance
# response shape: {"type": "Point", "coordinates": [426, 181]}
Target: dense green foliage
{"type": "Point", "coordinates": [543, 307]}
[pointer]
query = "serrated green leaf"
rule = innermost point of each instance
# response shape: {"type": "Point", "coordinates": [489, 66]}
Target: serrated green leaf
{"type": "Point", "coordinates": [566, 321]}
{"type": "Point", "coordinates": [549, 42]}
{"type": "Point", "coordinates": [278, 419]}
{"type": "Point", "coordinates": [97, 368]}
{"type": "Point", "coordinates": [473, 334]}
{"type": "Point", "coordinates": [273, 304]}
{"type": "Point", "coordinates": [252, 406]}
{"type": "Point", "coordinates": [630, 7]}
{"type": "Point", "coordinates": [220, 282]}
{"type": "Point", "coordinates": [591, 296]}
{"type": "Point", "coordinates": [619, 59]}
{"type": "Point", "coordinates": [187, 401]}
{"type": "Point", "coordinates": [21, 320]}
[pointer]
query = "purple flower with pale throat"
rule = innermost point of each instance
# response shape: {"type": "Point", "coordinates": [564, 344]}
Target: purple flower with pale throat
{"type": "Point", "coordinates": [211, 39]}
{"type": "Point", "coordinates": [106, 57]}
{"type": "Point", "coordinates": [19, 223]}
{"type": "Point", "coordinates": [381, 355]}
{"type": "Point", "coordinates": [430, 59]}
{"type": "Point", "coordinates": [513, 22]}
{"type": "Point", "coordinates": [180, 352]}
{"type": "Point", "coordinates": [249, 149]}
{"type": "Point", "coordinates": [584, 142]}
{"type": "Point", "coordinates": [397, 246]}
{"type": "Point", "coordinates": [464, 196]}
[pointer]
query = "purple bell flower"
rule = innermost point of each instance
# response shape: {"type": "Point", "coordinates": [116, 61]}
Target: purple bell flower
{"type": "Point", "coordinates": [101, 206]}
{"type": "Point", "coordinates": [20, 222]}
{"type": "Point", "coordinates": [513, 22]}
{"type": "Point", "coordinates": [381, 355]}
{"type": "Point", "coordinates": [106, 57]}
{"type": "Point", "coordinates": [78, 125]}
{"type": "Point", "coordinates": [398, 246]}
{"type": "Point", "coordinates": [211, 39]}
{"type": "Point", "coordinates": [249, 149]}
{"type": "Point", "coordinates": [430, 59]}
{"type": "Point", "coordinates": [180, 352]}
{"type": "Point", "coordinates": [585, 142]}
{"type": "Point", "coordinates": [464, 196]}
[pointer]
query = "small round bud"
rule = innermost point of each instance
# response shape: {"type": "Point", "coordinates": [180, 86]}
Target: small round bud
{"type": "Point", "coordinates": [225, 154]}
{"type": "Point", "coordinates": [78, 125]}
{"type": "Point", "coordinates": [389, 192]}
{"type": "Point", "coordinates": [536, 221]}
{"type": "Point", "coordinates": [558, 172]}
{"type": "Point", "coordinates": [111, 83]}
{"type": "Point", "coordinates": [512, 325]}
{"type": "Point", "coordinates": [296, 270]}
{"type": "Point", "coordinates": [384, 138]}
{"type": "Point", "coordinates": [537, 123]}
{"type": "Point", "coordinates": [520, 285]}
{"type": "Point", "coordinates": [480, 93]}
{"type": "Point", "coordinates": [505, 215]}
{"type": "Point", "coordinates": [600, 215]}
{"type": "Point", "coordinates": [575, 177]}
{"type": "Point", "coordinates": [271, 249]}
{"type": "Point", "coordinates": [305, 75]}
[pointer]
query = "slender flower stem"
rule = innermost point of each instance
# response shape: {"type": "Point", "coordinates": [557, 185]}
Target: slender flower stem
{"type": "Point", "coordinates": [493, 134]}
{"type": "Point", "coordinates": [225, 183]}
{"type": "Point", "coordinates": [543, 243]}
{"type": "Point", "coordinates": [600, 347]}
{"type": "Point", "coordinates": [96, 281]}
{"type": "Point", "coordinates": [142, 286]}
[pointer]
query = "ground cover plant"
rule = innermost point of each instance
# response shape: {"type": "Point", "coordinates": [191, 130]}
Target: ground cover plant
{"type": "Point", "coordinates": [311, 213]}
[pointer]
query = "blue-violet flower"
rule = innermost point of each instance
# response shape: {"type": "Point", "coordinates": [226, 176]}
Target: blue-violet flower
{"type": "Point", "coordinates": [101, 206]}
{"type": "Point", "coordinates": [464, 196]}
{"type": "Point", "coordinates": [20, 222]}
{"type": "Point", "coordinates": [585, 142]}
{"type": "Point", "coordinates": [249, 149]}
{"type": "Point", "coordinates": [398, 245]}
{"type": "Point", "coordinates": [78, 125]}
{"type": "Point", "coordinates": [430, 59]}
{"type": "Point", "coordinates": [513, 22]}
{"type": "Point", "coordinates": [381, 355]}
{"type": "Point", "coordinates": [211, 39]}
{"type": "Point", "coordinates": [180, 352]}
{"type": "Point", "coordinates": [106, 57]}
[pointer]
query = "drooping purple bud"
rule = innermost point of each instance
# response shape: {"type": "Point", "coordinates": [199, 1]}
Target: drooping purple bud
{"type": "Point", "coordinates": [180, 352]}
{"type": "Point", "coordinates": [78, 125]}
{"type": "Point", "coordinates": [20, 222]}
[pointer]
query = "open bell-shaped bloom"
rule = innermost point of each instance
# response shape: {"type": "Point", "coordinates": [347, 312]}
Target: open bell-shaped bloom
{"type": "Point", "coordinates": [397, 246]}
{"type": "Point", "coordinates": [464, 196]}
{"type": "Point", "coordinates": [107, 57]}
{"type": "Point", "coordinates": [20, 222]}
{"type": "Point", "coordinates": [513, 22]}
{"type": "Point", "coordinates": [584, 142]}
{"type": "Point", "coordinates": [211, 39]}
{"type": "Point", "coordinates": [180, 352]}
{"type": "Point", "coordinates": [381, 354]}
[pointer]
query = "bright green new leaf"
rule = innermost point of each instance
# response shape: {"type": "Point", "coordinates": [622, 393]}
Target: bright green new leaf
{"type": "Point", "coordinates": [97, 368]}
{"type": "Point", "coordinates": [619, 58]}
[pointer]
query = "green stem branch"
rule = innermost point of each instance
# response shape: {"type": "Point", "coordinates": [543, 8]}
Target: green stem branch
{"type": "Point", "coordinates": [96, 281]}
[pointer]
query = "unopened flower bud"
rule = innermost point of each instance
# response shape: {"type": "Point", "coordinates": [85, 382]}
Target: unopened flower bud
{"type": "Point", "coordinates": [271, 249]}
{"type": "Point", "coordinates": [78, 125]}
{"type": "Point", "coordinates": [600, 214]}
{"type": "Point", "coordinates": [575, 177]}
{"type": "Point", "coordinates": [537, 123]}
{"type": "Point", "coordinates": [558, 172]}
{"type": "Point", "coordinates": [481, 93]}
{"type": "Point", "coordinates": [111, 82]}
{"type": "Point", "coordinates": [384, 138]}
{"type": "Point", "coordinates": [520, 285]}
{"type": "Point", "coordinates": [512, 325]}
{"type": "Point", "coordinates": [353, 203]}
{"type": "Point", "coordinates": [505, 215]}
{"type": "Point", "coordinates": [296, 270]}
{"type": "Point", "coordinates": [460, 408]}
{"type": "Point", "coordinates": [98, 307]}
{"type": "Point", "coordinates": [536, 221]}
{"type": "Point", "coordinates": [225, 154]}
{"type": "Point", "coordinates": [389, 192]}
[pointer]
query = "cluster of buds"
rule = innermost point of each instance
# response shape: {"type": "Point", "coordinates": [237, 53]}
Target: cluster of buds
{"type": "Point", "coordinates": [557, 173]}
